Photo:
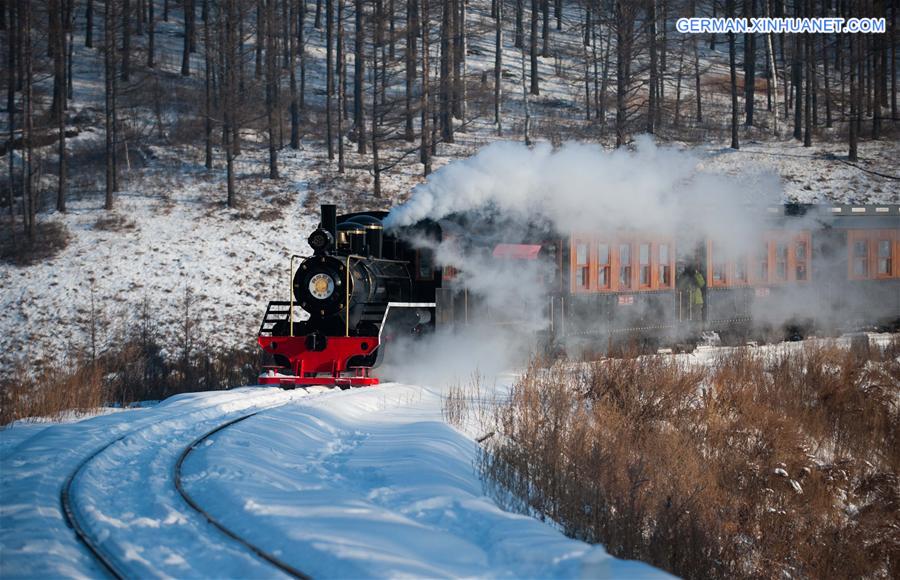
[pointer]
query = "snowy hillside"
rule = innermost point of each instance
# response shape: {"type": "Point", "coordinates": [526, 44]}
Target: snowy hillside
{"type": "Point", "coordinates": [170, 232]}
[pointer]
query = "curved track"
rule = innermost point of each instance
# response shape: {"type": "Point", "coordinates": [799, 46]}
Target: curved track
{"type": "Point", "coordinates": [108, 563]}
{"type": "Point", "coordinates": [111, 563]}
{"type": "Point", "coordinates": [284, 567]}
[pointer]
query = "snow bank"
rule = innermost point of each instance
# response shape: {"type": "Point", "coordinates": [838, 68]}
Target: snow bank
{"type": "Point", "coordinates": [373, 484]}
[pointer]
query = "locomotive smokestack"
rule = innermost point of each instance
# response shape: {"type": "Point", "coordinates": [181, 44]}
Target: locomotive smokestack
{"type": "Point", "coordinates": [374, 239]}
{"type": "Point", "coordinates": [329, 219]}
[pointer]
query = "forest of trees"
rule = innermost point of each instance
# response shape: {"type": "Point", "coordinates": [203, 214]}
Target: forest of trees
{"type": "Point", "coordinates": [390, 81]}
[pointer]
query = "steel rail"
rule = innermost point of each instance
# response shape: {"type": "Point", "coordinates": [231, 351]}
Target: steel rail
{"type": "Point", "coordinates": [68, 509]}
{"type": "Point", "coordinates": [179, 485]}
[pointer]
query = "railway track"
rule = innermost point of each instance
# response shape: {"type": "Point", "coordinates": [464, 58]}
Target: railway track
{"type": "Point", "coordinates": [108, 563]}
{"type": "Point", "coordinates": [99, 549]}
{"type": "Point", "coordinates": [179, 485]}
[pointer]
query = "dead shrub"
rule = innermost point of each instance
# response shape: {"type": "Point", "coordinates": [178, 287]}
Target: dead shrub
{"type": "Point", "coordinates": [469, 404]}
{"type": "Point", "coordinates": [113, 222]}
{"type": "Point", "coordinates": [752, 466]}
{"type": "Point", "coordinates": [269, 215]}
{"type": "Point", "coordinates": [48, 240]}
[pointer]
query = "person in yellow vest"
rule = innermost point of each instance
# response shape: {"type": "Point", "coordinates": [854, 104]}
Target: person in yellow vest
{"type": "Point", "coordinates": [690, 284]}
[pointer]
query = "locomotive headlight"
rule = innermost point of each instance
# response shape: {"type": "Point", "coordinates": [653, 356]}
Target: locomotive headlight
{"type": "Point", "coordinates": [320, 240]}
{"type": "Point", "coordinates": [321, 286]}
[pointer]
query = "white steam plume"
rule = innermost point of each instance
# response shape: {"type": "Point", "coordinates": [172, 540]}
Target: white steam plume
{"type": "Point", "coordinates": [582, 187]}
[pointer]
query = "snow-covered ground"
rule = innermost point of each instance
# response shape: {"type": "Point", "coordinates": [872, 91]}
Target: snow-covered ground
{"type": "Point", "coordinates": [362, 483]}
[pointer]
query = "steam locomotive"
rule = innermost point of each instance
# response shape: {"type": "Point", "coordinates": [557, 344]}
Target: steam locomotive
{"type": "Point", "coordinates": [822, 269]}
{"type": "Point", "coordinates": [355, 280]}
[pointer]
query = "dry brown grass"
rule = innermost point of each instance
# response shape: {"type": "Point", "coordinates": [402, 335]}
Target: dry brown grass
{"type": "Point", "coordinates": [134, 371]}
{"type": "Point", "coordinates": [753, 466]}
{"type": "Point", "coordinates": [138, 365]}
{"type": "Point", "coordinates": [50, 392]}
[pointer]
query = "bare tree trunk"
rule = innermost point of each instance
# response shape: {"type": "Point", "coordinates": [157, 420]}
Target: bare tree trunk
{"type": "Point", "coordinates": [126, 40]}
{"type": "Point", "coordinates": [604, 84]}
{"type": "Point", "coordinates": [455, 44]}
{"type": "Point", "coordinates": [545, 30]}
{"type": "Point", "coordinates": [237, 80]}
{"type": "Point", "coordinates": [12, 38]}
{"type": "Point", "coordinates": [28, 199]}
{"type": "Point", "coordinates": [698, 94]}
{"type": "Point", "coordinates": [866, 76]}
{"type": "Point", "coordinates": [342, 90]}
{"type": "Point", "coordinates": [292, 50]}
{"type": "Point", "coordinates": [498, 66]}
{"type": "Point", "coordinates": [329, 76]}
{"type": "Point", "coordinates": [70, 51]}
{"type": "Point", "coordinates": [151, 34]}
{"type": "Point", "coordinates": [735, 144]}
{"type": "Point", "coordinates": [285, 33]}
{"type": "Point", "coordinates": [587, 82]}
{"type": "Point", "coordinates": [446, 66]}
{"type": "Point", "coordinates": [773, 73]}
{"type": "Point", "coordinates": [878, 75]}
{"type": "Point", "coordinates": [749, 66]}
{"type": "Point", "coordinates": [808, 97]}
{"type": "Point", "coordinates": [378, 41]}
{"type": "Point", "coordinates": [88, 24]}
{"type": "Point", "coordinates": [798, 82]}
{"type": "Point", "coordinates": [392, 34]}
{"type": "Point", "coordinates": [853, 154]}
{"type": "Point", "coordinates": [411, 35]}
{"type": "Point", "coordinates": [654, 79]}
{"type": "Point", "coordinates": [520, 28]}
{"type": "Point", "coordinates": [663, 48]}
{"type": "Point", "coordinates": [462, 92]}
{"type": "Point", "coordinates": [826, 78]}
{"type": "Point", "coordinates": [527, 104]}
{"type": "Point", "coordinates": [208, 124]}
{"type": "Point", "coordinates": [229, 98]}
{"type": "Point", "coordinates": [359, 64]}
{"type": "Point", "coordinates": [535, 7]}
{"type": "Point", "coordinates": [188, 32]}
{"type": "Point", "coordinates": [190, 16]}
{"type": "Point", "coordinates": [425, 146]}
{"type": "Point", "coordinates": [260, 37]}
{"type": "Point", "coordinates": [271, 87]}
{"type": "Point", "coordinates": [677, 118]}
{"type": "Point", "coordinates": [624, 31]}
{"type": "Point", "coordinates": [109, 35]}
{"type": "Point", "coordinates": [318, 21]}
{"type": "Point", "coordinates": [893, 41]}
{"type": "Point", "coordinates": [59, 86]}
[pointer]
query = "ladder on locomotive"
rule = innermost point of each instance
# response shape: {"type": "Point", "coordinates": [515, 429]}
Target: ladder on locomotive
{"type": "Point", "coordinates": [276, 321]}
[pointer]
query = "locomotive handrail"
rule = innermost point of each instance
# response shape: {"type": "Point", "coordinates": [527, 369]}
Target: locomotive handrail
{"type": "Point", "coordinates": [347, 285]}
{"type": "Point", "coordinates": [401, 305]}
{"type": "Point", "coordinates": [291, 292]}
